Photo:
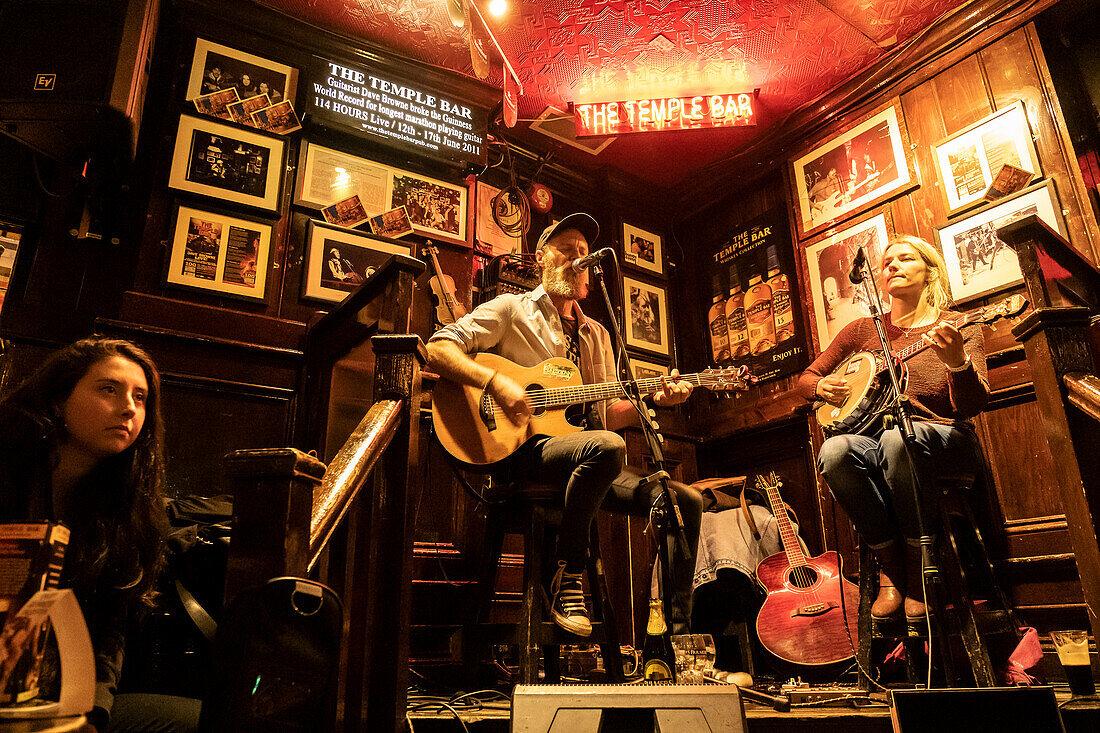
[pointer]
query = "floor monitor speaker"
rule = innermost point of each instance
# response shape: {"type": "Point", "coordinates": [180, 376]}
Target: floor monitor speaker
{"type": "Point", "coordinates": [976, 710]}
{"type": "Point", "coordinates": [646, 708]}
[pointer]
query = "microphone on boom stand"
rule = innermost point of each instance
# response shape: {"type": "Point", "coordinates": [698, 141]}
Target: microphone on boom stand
{"type": "Point", "coordinates": [856, 273]}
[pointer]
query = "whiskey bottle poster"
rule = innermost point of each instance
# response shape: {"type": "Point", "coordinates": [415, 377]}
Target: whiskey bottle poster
{"type": "Point", "coordinates": [755, 269]}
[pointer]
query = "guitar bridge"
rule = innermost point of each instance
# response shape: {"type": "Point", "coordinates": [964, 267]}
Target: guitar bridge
{"type": "Point", "coordinates": [814, 609]}
{"type": "Point", "coordinates": [485, 411]}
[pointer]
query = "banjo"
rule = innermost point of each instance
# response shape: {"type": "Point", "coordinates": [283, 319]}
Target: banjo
{"type": "Point", "coordinates": [865, 372]}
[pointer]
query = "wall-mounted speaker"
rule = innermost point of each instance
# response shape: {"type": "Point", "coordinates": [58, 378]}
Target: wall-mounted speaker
{"type": "Point", "coordinates": [74, 73]}
{"type": "Point", "coordinates": [976, 710]}
{"type": "Point", "coordinates": [636, 708]}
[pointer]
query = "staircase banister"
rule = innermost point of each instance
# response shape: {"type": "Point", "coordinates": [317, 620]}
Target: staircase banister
{"type": "Point", "coordinates": [1084, 393]}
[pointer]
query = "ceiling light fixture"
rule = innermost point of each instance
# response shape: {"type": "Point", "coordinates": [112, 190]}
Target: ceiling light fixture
{"type": "Point", "coordinates": [498, 8]}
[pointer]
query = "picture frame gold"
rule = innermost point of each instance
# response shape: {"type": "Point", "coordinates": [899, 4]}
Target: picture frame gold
{"type": "Point", "coordinates": [221, 253]}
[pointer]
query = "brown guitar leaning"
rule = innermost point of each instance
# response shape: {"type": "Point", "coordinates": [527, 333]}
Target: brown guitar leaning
{"type": "Point", "coordinates": [865, 371]}
{"type": "Point", "coordinates": [447, 309]}
{"type": "Point", "coordinates": [472, 428]}
{"type": "Point", "coordinates": [801, 620]}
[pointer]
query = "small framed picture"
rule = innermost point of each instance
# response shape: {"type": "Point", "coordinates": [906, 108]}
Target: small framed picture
{"type": "Point", "coordinates": [226, 254]}
{"type": "Point", "coordinates": [643, 249]}
{"type": "Point", "coordinates": [836, 301]}
{"type": "Point", "coordinates": [435, 208]}
{"type": "Point", "coordinates": [393, 223]}
{"type": "Point", "coordinates": [280, 119]}
{"type": "Point", "coordinates": [646, 319]}
{"type": "Point", "coordinates": [978, 263]}
{"type": "Point", "coordinates": [241, 112]}
{"type": "Point", "coordinates": [215, 67]}
{"type": "Point", "coordinates": [217, 104]}
{"type": "Point", "coordinates": [645, 369]}
{"type": "Point", "coordinates": [227, 163]}
{"type": "Point", "coordinates": [339, 260]}
{"type": "Point", "coordinates": [347, 213]}
{"type": "Point", "coordinates": [853, 172]}
{"type": "Point", "coordinates": [969, 161]}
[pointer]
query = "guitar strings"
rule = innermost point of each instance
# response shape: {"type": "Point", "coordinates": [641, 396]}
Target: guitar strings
{"type": "Point", "coordinates": [593, 392]}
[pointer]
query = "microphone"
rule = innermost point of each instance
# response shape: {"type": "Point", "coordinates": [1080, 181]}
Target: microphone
{"type": "Point", "coordinates": [856, 274]}
{"type": "Point", "coordinates": [583, 263]}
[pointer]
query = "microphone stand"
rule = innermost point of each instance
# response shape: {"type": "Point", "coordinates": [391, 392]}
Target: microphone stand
{"type": "Point", "coordinates": [666, 515]}
{"type": "Point", "coordinates": [930, 572]}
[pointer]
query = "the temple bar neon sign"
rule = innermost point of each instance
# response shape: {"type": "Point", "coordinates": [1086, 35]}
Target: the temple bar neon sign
{"type": "Point", "coordinates": [666, 113]}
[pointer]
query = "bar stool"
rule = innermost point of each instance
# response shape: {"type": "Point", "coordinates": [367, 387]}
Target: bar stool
{"type": "Point", "coordinates": [534, 511]}
{"type": "Point", "coordinates": [964, 567]}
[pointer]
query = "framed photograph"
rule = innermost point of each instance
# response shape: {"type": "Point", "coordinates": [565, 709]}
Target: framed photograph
{"type": "Point", "coordinates": [223, 253]}
{"type": "Point", "coordinates": [215, 67]}
{"type": "Point", "coordinates": [393, 223]}
{"type": "Point", "coordinates": [978, 263]}
{"type": "Point", "coordinates": [217, 104]}
{"type": "Point", "coordinates": [339, 260]}
{"type": "Point", "coordinates": [643, 249]}
{"type": "Point", "coordinates": [280, 118]}
{"type": "Point", "coordinates": [836, 301]}
{"type": "Point", "coordinates": [646, 316]}
{"type": "Point", "coordinates": [969, 160]}
{"type": "Point", "coordinates": [227, 163]}
{"type": "Point", "coordinates": [853, 172]}
{"type": "Point", "coordinates": [241, 112]}
{"type": "Point", "coordinates": [435, 208]}
{"type": "Point", "coordinates": [645, 369]}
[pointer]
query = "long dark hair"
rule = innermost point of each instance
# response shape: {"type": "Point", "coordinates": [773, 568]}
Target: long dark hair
{"type": "Point", "coordinates": [116, 512]}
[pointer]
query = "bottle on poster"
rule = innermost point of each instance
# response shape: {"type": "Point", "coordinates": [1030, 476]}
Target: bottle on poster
{"type": "Point", "coordinates": [736, 324]}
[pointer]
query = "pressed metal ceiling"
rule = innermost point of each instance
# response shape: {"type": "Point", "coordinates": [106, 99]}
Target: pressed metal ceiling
{"type": "Point", "coordinates": [568, 51]}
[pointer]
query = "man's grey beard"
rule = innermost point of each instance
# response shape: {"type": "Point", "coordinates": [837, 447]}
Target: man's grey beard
{"type": "Point", "coordinates": [555, 283]}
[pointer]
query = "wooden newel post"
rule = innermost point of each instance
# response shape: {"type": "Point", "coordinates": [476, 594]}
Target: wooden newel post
{"type": "Point", "coordinates": [272, 504]}
{"type": "Point", "coordinates": [399, 359]}
{"type": "Point", "coordinates": [1064, 289]}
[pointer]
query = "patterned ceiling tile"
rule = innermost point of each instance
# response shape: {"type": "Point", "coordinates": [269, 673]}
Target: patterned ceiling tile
{"type": "Point", "coordinates": [564, 51]}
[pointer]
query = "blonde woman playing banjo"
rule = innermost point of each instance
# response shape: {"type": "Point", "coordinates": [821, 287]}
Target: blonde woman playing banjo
{"type": "Point", "coordinates": [869, 474]}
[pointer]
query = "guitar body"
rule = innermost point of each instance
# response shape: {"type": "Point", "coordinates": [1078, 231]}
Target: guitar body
{"type": "Point", "coordinates": [867, 379]}
{"type": "Point", "coordinates": [477, 437]}
{"type": "Point", "coordinates": [804, 625]}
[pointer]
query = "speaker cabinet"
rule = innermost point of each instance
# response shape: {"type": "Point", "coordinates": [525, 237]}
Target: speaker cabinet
{"type": "Point", "coordinates": [74, 73]}
{"type": "Point", "coordinates": [976, 710]}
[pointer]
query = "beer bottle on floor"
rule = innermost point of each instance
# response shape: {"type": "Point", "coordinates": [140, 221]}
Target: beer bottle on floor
{"type": "Point", "coordinates": [657, 659]}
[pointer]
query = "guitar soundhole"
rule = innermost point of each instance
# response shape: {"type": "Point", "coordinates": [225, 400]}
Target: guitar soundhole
{"type": "Point", "coordinates": [802, 577]}
{"type": "Point", "coordinates": [534, 393]}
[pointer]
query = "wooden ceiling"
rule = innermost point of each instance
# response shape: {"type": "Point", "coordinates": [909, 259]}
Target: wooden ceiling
{"type": "Point", "coordinates": [568, 51]}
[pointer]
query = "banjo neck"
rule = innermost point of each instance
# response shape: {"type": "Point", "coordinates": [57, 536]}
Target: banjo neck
{"type": "Point", "coordinates": [918, 346]}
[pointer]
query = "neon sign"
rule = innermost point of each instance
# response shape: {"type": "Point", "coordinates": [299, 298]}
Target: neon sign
{"type": "Point", "coordinates": [665, 113]}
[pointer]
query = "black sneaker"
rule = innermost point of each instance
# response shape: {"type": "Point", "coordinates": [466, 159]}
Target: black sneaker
{"type": "Point", "coordinates": [567, 607]}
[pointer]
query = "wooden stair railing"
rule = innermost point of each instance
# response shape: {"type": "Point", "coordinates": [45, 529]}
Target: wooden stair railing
{"type": "Point", "coordinates": [1064, 290]}
{"type": "Point", "coordinates": [294, 516]}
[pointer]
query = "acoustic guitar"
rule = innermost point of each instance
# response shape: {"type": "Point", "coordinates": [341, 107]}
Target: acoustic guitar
{"type": "Point", "coordinates": [472, 428]}
{"type": "Point", "coordinates": [447, 309]}
{"type": "Point", "coordinates": [802, 619]}
{"type": "Point", "coordinates": [868, 383]}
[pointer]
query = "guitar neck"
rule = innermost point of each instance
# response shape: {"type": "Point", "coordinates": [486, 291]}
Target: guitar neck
{"type": "Point", "coordinates": [560, 396]}
{"type": "Point", "coordinates": [918, 346]}
{"type": "Point", "coordinates": [787, 535]}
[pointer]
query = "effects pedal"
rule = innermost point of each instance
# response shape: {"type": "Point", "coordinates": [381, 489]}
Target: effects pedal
{"type": "Point", "coordinates": [803, 692]}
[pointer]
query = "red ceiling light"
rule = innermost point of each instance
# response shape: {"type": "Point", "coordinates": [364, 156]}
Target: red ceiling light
{"type": "Point", "coordinates": [736, 109]}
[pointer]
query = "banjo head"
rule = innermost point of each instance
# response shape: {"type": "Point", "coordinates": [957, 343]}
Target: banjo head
{"type": "Point", "coordinates": [862, 370]}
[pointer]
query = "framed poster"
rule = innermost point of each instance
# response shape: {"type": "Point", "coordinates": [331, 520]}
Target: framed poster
{"type": "Point", "coordinates": [215, 67]}
{"type": "Point", "coordinates": [836, 301]}
{"type": "Point", "coordinates": [969, 160]}
{"type": "Point", "coordinates": [645, 369]}
{"type": "Point", "coordinates": [339, 260]}
{"type": "Point", "coordinates": [853, 171]}
{"type": "Point", "coordinates": [435, 208]}
{"type": "Point", "coordinates": [643, 249]}
{"type": "Point", "coordinates": [646, 316]}
{"type": "Point", "coordinates": [487, 231]}
{"type": "Point", "coordinates": [227, 163]}
{"type": "Point", "coordinates": [978, 262]}
{"type": "Point", "coordinates": [226, 254]}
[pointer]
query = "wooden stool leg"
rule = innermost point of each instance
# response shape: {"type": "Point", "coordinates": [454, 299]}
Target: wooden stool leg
{"type": "Point", "coordinates": [959, 590]}
{"type": "Point", "coordinates": [473, 646]}
{"type": "Point", "coordinates": [605, 614]}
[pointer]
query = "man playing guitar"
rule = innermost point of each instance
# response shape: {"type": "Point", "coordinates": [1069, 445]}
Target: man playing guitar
{"type": "Point", "coordinates": [528, 329]}
{"type": "Point", "coordinates": [870, 476]}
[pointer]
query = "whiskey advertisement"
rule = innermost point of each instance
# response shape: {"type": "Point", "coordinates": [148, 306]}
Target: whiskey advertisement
{"type": "Point", "coordinates": [753, 317]}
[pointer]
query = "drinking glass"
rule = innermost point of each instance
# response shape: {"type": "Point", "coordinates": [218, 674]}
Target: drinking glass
{"type": "Point", "coordinates": [1073, 653]}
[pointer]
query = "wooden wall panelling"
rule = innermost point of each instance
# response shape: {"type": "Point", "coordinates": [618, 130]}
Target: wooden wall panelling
{"type": "Point", "coordinates": [961, 95]}
{"type": "Point", "coordinates": [926, 127]}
